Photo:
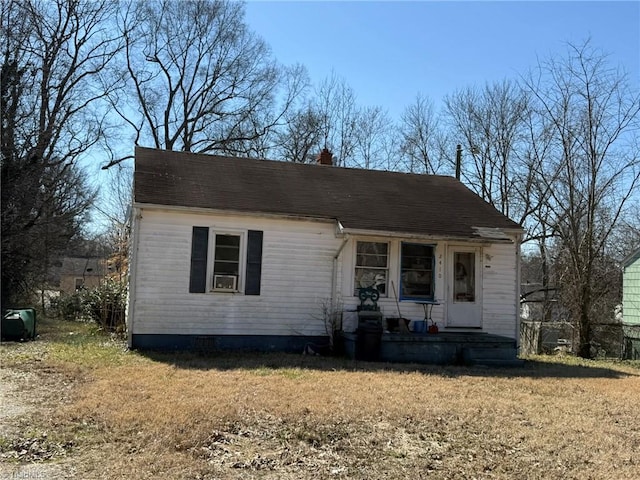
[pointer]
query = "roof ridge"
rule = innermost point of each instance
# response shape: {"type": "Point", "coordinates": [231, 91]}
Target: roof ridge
{"type": "Point", "coordinates": [204, 157]}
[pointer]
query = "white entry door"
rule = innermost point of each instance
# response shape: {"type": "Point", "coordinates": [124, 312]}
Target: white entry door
{"type": "Point", "coordinates": [464, 307]}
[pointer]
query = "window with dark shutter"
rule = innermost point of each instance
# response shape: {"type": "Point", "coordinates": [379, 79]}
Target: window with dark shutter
{"type": "Point", "coordinates": [254, 262]}
{"type": "Point", "coordinates": [199, 247]}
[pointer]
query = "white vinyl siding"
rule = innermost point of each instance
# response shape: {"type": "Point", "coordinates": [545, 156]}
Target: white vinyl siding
{"type": "Point", "coordinates": [499, 282]}
{"type": "Point", "coordinates": [296, 278]}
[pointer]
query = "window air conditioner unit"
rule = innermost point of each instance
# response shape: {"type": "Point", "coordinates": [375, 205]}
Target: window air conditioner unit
{"type": "Point", "coordinates": [225, 282]}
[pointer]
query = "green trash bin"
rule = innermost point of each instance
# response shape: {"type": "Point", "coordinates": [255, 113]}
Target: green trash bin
{"type": "Point", "coordinates": [19, 324]}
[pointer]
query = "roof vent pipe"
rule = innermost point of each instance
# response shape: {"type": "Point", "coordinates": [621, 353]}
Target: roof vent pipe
{"type": "Point", "coordinates": [458, 161]}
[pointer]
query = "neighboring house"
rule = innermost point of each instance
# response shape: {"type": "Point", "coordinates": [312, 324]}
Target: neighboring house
{"type": "Point", "coordinates": [78, 273]}
{"type": "Point", "coordinates": [631, 305]}
{"type": "Point", "coordinates": [240, 253]}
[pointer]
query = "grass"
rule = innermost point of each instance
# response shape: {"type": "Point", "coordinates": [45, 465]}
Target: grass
{"type": "Point", "coordinates": [187, 416]}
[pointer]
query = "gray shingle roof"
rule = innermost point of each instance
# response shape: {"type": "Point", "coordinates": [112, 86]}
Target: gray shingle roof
{"type": "Point", "coordinates": [359, 199]}
{"type": "Point", "coordinates": [79, 266]}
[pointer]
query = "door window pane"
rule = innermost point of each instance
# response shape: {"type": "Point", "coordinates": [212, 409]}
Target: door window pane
{"type": "Point", "coordinates": [464, 288]}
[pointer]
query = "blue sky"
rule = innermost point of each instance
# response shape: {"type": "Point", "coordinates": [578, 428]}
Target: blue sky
{"type": "Point", "coordinates": [389, 51]}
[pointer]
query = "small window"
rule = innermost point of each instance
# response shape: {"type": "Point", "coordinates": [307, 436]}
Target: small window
{"type": "Point", "coordinates": [226, 262]}
{"type": "Point", "coordinates": [79, 283]}
{"type": "Point", "coordinates": [416, 272]}
{"type": "Point", "coordinates": [372, 266]}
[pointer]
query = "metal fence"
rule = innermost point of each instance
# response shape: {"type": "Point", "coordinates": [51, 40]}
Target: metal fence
{"type": "Point", "coordinates": [607, 339]}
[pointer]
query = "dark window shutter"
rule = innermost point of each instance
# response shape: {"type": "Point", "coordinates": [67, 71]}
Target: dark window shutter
{"type": "Point", "coordinates": [199, 247]}
{"type": "Point", "coordinates": [254, 262]}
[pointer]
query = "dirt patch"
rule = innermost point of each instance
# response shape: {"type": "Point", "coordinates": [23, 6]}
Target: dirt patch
{"type": "Point", "coordinates": [25, 452]}
{"type": "Point", "coordinates": [13, 399]}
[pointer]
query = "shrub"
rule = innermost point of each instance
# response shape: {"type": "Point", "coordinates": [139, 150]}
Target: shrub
{"type": "Point", "coordinates": [67, 306]}
{"type": "Point", "coordinates": [105, 305]}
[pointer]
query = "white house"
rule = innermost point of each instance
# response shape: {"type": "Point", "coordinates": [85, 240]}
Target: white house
{"type": "Point", "coordinates": [241, 253]}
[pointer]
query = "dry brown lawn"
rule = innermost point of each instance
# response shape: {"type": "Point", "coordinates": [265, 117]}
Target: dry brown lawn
{"type": "Point", "coordinates": [129, 415]}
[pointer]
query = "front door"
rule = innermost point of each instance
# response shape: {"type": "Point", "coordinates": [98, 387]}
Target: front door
{"type": "Point", "coordinates": [464, 307]}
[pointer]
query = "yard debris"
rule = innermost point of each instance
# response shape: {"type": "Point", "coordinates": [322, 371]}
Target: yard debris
{"type": "Point", "coordinates": [34, 449]}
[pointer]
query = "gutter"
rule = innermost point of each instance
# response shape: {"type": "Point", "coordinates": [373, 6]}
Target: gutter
{"type": "Point", "coordinates": [228, 212]}
{"type": "Point", "coordinates": [425, 237]}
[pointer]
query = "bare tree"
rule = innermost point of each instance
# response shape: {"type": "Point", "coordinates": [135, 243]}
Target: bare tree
{"type": "Point", "coordinates": [115, 202]}
{"type": "Point", "coordinates": [200, 79]}
{"type": "Point", "coordinates": [626, 237]}
{"type": "Point", "coordinates": [373, 129]}
{"type": "Point", "coordinates": [592, 114]}
{"type": "Point", "coordinates": [272, 120]}
{"type": "Point", "coordinates": [53, 53]}
{"type": "Point", "coordinates": [491, 124]}
{"type": "Point", "coordinates": [59, 48]}
{"type": "Point", "coordinates": [421, 140]}
{"type": "Point", "coordinates": [331, 118]}
{"type": "Point", "coordinates": [300, 139]}
{"type": "Point", "coordinates": [392, 160]}
{"type": "Point", "coordinates": [336, 104]}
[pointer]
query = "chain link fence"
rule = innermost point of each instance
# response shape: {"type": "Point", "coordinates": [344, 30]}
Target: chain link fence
{"type": "Point", "coordinates": [607, 339]}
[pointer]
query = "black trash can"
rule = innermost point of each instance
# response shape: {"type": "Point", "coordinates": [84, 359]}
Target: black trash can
{"type": "Point", "coordinates": [369, 341]}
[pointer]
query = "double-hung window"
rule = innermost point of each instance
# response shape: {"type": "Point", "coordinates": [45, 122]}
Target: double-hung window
{"type": "Point", "coordinates": [416, 272]}
{"type": "Point", "coordinates": [372, 266]}
{"type": "Point", "coordinates": [226, 262]}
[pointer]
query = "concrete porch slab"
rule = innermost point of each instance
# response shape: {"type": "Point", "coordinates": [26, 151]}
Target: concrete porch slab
{"type": "Point", "coordinates": [443, 348]}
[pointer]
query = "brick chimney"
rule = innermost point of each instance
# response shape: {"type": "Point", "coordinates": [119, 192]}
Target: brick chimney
{"type": "Point", "coordinates": [325, 157]}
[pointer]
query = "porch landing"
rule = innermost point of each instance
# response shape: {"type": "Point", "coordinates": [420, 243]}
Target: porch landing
{"type": "Point", "coordinates": [442, 348]}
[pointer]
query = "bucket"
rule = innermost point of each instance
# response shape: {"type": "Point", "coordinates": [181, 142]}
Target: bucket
{"type": "Point", "coordinates": [419, 326]}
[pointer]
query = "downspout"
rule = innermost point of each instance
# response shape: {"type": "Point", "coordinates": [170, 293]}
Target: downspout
{"type": "Point", "coordinates": [334, 270]}
{"type": "Point", "coordinates": [518, 281]}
